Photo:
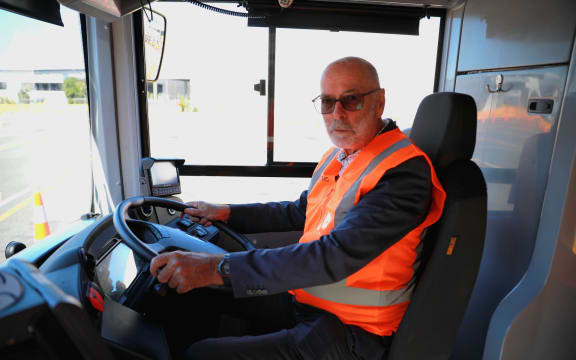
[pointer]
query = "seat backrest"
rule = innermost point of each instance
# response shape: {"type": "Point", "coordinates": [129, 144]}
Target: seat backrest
{"type": "Point", "coordinates": [445, 128]}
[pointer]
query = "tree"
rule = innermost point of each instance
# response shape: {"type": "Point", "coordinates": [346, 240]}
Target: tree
{"type": "Point", "coordinates": [5, 100]}
{"type": "Point", "coordinates": [24, 96]}
{"type": "Point", "coordinates": [74, 88]}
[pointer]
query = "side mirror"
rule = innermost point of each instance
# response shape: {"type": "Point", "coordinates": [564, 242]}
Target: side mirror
{"type": "Point", "coordinates": [154, 41]}
{"type": "Point", "coordinates": [13, 248]}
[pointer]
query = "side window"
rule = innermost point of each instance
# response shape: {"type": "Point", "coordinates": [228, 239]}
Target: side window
{"type": "Point", "coordinates": [44, 128]}
{"type": "Point", "coordinates": [406, 68]}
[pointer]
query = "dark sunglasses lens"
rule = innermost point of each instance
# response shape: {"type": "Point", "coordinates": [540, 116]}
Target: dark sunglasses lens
{"type": "Point", "coordinates": [352, 102]}
{"type": "Point", "coordinates": [327, 105]}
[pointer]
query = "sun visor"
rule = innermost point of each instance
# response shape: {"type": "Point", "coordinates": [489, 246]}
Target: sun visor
{"type": "Point", "coordinates": [337, 17]}
{"type": "Point", "coordinates": [44, 10]}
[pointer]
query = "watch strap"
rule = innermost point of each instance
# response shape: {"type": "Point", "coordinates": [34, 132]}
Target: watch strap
{"type": "Point", "coordinates": [224, 270]}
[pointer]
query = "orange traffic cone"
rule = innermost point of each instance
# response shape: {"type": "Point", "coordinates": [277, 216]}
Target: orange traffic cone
{"type": "Point", "coordinates": [41, 228]}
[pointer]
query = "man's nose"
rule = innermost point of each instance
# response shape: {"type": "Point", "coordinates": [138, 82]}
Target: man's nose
{"type": "Point", "coordinates": [339, 111]}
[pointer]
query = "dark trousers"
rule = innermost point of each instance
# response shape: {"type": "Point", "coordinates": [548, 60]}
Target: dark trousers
{"type": "Point", "coordinates": [291, 331]}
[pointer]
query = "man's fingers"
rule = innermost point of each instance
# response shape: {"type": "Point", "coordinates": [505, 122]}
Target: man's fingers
{"type": "Point", "coordinates": [174, 281]}
{"type": "Point", "coordinates": [167, 262]}
{"type": "Point", "coordinates": [166, 273]}
{"type": "Point", "coordinates": [204, 221]}
{"type": "Point", "coordinates": [195, 219]}
{"type": "Point", "coordinates": [181, 289]}
{"type": "Point", "coordinates": [178, 282]}
{"type": "Point", "coordinates": [195, 204]}
{"type": "Point", "coordinates": [158, 262]}
{"type": "Point", "coordinates": [195, 214]}
{"type": "Point", "coordinates": [194, 207]}
{"type": "Point", "coordinates": [193, 211]}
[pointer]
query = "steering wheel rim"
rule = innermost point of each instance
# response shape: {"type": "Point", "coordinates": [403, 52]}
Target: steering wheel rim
{"type": "Point", "coordinates": [236, 236]}
{"type": "Point", "coordinates": [141, 248]}
{"type": "Point", "coordinates": [121, 213]}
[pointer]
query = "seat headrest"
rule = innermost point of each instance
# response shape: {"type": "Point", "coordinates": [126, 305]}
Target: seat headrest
{"type": "Point", "coordinates": [445, 127]}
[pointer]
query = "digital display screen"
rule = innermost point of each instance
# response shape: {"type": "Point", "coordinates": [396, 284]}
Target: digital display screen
{"type": "Point", "coordinates": [117, 270]}
{"type": "Point", "coordinates": [164, 173]}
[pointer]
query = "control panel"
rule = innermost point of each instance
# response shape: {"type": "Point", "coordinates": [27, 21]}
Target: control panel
{"type": "Point", "coordinates": [195, 229]}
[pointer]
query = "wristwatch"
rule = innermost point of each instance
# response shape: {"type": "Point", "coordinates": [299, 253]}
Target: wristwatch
{"type": "Point", "coordinates": [224, 270]}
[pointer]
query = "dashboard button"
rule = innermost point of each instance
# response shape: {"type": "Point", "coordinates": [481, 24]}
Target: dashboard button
{"type": "Point", "coordinates": [184, 223]}
{"type": "Point", "coordinates": [95, 298]}
{"type": "Point", "coordinates": [200, 232]}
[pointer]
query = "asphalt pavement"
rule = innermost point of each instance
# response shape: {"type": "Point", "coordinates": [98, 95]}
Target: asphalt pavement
{"type": "Point", "coordinates": [42, 149]}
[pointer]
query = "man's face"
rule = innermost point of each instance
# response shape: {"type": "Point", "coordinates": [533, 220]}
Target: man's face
{"type": "Point", "coordinates": [352, 130]}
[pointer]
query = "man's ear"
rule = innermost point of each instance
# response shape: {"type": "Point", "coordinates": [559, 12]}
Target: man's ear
{"type": "Point", "coordinates": [381, 101]}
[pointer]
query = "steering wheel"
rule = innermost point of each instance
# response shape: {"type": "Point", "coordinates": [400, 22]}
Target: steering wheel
{"type": "Point", "coordinates": [170, 237]}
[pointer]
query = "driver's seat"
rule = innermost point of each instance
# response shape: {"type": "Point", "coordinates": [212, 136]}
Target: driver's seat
{"type": "Point", "coordinates": [445, 128]}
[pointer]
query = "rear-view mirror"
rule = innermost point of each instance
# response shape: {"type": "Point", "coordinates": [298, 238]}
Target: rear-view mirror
{"type": "Point", "coordinates": [154, 41]}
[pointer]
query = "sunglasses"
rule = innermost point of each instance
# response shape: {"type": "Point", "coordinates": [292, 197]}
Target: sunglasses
{"type": "Point", "coordinates": [352, 102]}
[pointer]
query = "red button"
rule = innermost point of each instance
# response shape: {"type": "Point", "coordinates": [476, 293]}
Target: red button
{"type": "Point", "coordinates": [96, 299]}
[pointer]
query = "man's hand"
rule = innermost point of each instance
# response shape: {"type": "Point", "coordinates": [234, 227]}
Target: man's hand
{"type": "Point", "coordinates": [204, 213]}
{"type": "Point", "coordinates": [185, 271]}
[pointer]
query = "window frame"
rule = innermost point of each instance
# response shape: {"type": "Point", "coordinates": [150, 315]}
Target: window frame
{"type": "Point", "coordinates": [84, 30]}
{"type": "Point", "coordinates": [271, 168]}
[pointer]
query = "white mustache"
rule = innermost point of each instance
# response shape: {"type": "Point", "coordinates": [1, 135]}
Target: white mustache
{"type": "Point", "coordinates": [339, 125]}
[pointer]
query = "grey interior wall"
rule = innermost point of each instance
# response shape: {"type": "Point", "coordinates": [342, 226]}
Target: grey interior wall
{"type": "Point", "coordinates": [502, 34]}
{"type": "Point", "coordinates": [537, 319]}
{"type": "Point", "coordinates": [530, 44]}
{"type": "Point", "coordinates": [513, 149]}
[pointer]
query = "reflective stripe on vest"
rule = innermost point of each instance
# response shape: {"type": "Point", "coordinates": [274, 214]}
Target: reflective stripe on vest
{"type": "Point", "coordinates": [347, 201]}
{"type": "Point", "coordinates": [341, 293]}
{"type": "Point", "coordinates": [320, 170]}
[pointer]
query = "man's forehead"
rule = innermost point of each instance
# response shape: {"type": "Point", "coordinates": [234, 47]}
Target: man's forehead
{"type": "Point", "coordinates": [345, 91]}
{"type": "Point", "coordinates": [345, 70]}
{"type": "Point", "coordinates": [346, 84]}
{"type": "Point", "coordinates": [349, 76]}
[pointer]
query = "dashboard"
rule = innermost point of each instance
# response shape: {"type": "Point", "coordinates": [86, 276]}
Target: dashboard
{"type": "Point", "coordinates": [121, 274]}
{"type": "Point", "coordinates": [93, 287]}
{"type": "Point", "coordinates": [114, 285]}
{"type": "Point", "coordinates": [97, 276]}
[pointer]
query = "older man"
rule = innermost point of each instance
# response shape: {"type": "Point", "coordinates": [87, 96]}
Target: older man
{"type": "Point", "coordinates": [348, 280]}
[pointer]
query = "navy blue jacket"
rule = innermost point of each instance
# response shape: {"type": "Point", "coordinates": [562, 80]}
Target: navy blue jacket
{"type": "Point", "coordinates": [383, 216]}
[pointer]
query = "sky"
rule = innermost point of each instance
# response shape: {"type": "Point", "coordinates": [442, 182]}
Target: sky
{"type": "Point", "coordinates": [27, 44]}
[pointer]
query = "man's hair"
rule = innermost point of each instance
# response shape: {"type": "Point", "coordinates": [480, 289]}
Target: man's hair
{"type": "Point", "coordinates": [353, 60]}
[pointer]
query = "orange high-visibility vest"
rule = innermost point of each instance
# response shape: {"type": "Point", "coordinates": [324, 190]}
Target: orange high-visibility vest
{"type": "Point", "coordinates": [376, 296]}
